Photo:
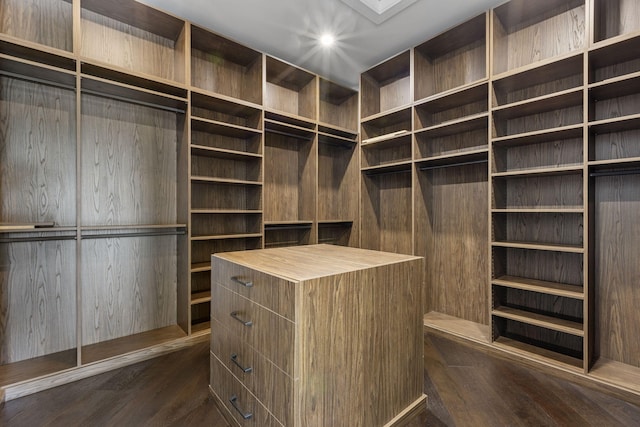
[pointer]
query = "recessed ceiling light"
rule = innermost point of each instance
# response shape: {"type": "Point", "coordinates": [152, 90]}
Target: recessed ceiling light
{"type": "Point", "coordinates": [327, 40]}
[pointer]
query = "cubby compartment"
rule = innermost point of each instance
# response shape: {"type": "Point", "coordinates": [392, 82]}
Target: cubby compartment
{"type": "Point", "coordinates": [133, 37]}
{"type": "Point", "coordinates": [200, 317]}
{"type": "Point", "coordinates": [526, 32]}
{"type": "Point", "coordinates": [386, 212]}
{"type": "Point", "coordinates": [222, 225]}
{"type": "Point", "coordinates": [615, 142]}
{"type": "Point", "coordinates": [130, 152]}
{"type": "Point", "coordinates": [289, 178]}
{"type": "Point", "coordinates": [452, 109]}
{"type": "Point", "coordinates": [539, 343]}
{"type": "Point", "coordinates": [386, 152]}
{"type": "Point", "coordinates": [46, 22]}
{"type": "Point", "coordinates": [615, 99]}
{"type": "Point", "coordinates": [455, 140]}
{"type": "Point", "coordinates": [386, 86]}
{"type": "Point", "coordinates": [338, 106]}
{"type": "Point", "coordinates": [613, 60]}
{"type": "Point", "coordinates": [343, 233]}
{"type": "Point", "coordinates": [221, 66]}
{"type": "Point", "coordinates": [556, 149]}
{"type": "Point", "coordinates": [386, 127]}
{"type": "Point", "coordinates": [290, 90]}
{"type": "Point", "coordinates": [453, 59]}
{"type": "Point", "coordinates": [545, 192]}
{"type": "Point", "coordinates": [614, 18]}
{"type": "Point", "coordinates": [616, 293]}
{"type": "Point", "coordinates": [130, 282]}
{"type": "Point", "coordinates": [224, 164]}
{"type": "Point", "coordinates": [542, 80]}
{"type": "Point", "coordinates": [544, 228]}
{"type": "Point", "coordinates": [289, 234]}
{"type": "Point", "coordinates": [451, 232]}
{"type": "Point", "coordinates": [38, 306]}
{"type": "Point", "coordinates": [201, 251]}
{"type": "Point", "coordinates": [539, 114]}
{"type": "Point", "coordinates": [37, 153]}
{"type": "Point", "coordinates": [220, 195]}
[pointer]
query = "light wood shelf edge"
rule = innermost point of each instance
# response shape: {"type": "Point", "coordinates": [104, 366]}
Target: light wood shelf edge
{"type": "Point", "coordinates": [556, 324]}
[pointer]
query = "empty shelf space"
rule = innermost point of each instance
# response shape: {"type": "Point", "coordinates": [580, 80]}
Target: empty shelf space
{"type": "Point", "coordinates": [554, 101]}
{"type": "Point", "coordinates": [30, 70]}
{"type": "Point", "coordinates": [399, 167]}
{"type": "Point", "coordinates": [200, 297]}
{"type": "Point", "coordinates": [204, 179]}
{"type": "Point", "coordinates": [221, 128]}
{"type": "Point", "coordinates": [615, 87]}
{"type": "Point", "coordinates": [288, 129]}
{"type": "Point", "coordinates": [543, 171]}
{"type": "Point", "coordinates": [540, 246]}
{"type": "Point", "coordinates": [456, 126]}
{"type": "Point", "coordinates": [538, 354]}
{"type": "Point", "coordinates": [200, 328]}
{"type": "Point", "coordinates": [458, 327]}
{"type": "Point", "coordinates": [549, 322]}
{"type": "Point", "coordinates": [544, 135]}
{"type": "Point", "coordinates": [460, 158]}
{"type": "Point", "coordinates": [538, 210]}
{"type": "Point", "coordinates": [200, 267]}
{"type": "Point", "coordinates": [386, 87]}
{"type": "Point", "coordinates": [200, 150]}
{"type": "Point", "coordinates": [330, 139]}
{"type": "Point", "coordinates": [541, 286]}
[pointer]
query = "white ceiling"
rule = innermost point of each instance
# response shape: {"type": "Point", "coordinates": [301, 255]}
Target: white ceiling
{"type": "Point", "coordinates": [289, 29]}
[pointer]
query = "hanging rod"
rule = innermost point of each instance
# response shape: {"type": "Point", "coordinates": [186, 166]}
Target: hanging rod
{"type": "Point", "coordinates": [292, 135]}
{"type": "Point", "coordinates": [138, 234]}
{"type": "Point", "coordinates": [615, 172]}
{"type": "Point", "coordinates": [375, 172]}
{"type": "Point", "coordinates": [35, 239]}
{"type": "Point", "coordinates": [450, 165]}
{"type": "Point", "coordinates": [133, 101]}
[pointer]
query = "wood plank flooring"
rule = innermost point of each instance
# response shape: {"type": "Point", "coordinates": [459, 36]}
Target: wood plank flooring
{"type": "Point", "coordinates": [466, 386]}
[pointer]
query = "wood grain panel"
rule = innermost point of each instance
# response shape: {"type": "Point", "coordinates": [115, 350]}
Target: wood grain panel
{"type": "Point", "coordinates": [249, 169]}
{"type": "Point", "coordinates": [616, 145]}
{"type": "Point", "coordinates": [389, 151]}
{"type": "Point", "coordinates": [526, 43]}
{"type": "Point", "coordinates": [616, 17]}
{"type": "Point", "coordinates": [428, 115]}
{"type": "Point", "coordinates": [48, 22]}
{"type": "Point", "coordinates": [344, 115]}
{"type": "Point", "coordinates": [337, 183]}
{"type": "Point", "coordinates": [617, 107]}
{"type": "Point", "coordinates": [368, 346]}
{"type": "Point", "coordinates": [289, 179]}
{"type": "Point", "coordinates": [122, 45]}
{"type": "Point", "coordinates": [395, 94]}
{"type": "Point", "coordinates": [559, 342]}
{"type": "Point", "coordinates": [225, 196]}
{"type": "Point", "coordinates": [37, 299]}
{"type": "Point", "coordinates": [281, 98]}
{"type": "Point", "coordinates": [566, 152]}
{"type": "Point", "coordinates": [224, 224]}
{"type": "Point", "coordinates": [550, 266]}
{"type": "Point", "coordinates": [201, 250]}
{"type": "Point", "coordinates": [369, 96]}
{"type": "Point", "coordinates": [451, 233]}
{"type": "Point", "coordinates": [128, 286]}
{"type": "Point", "coordinates": [130, 155]}
{"type": "Point", "coordinates": [542, 228]}
{"type": "Point", "coordinates": [617, 203]}
{"type": "Point", "coordinates": [387, 213]}
{"type": "Point", "coordinates": [539, 303]}
{"type": "Point", "coordinates": [564, 191]}
{"type": "Point", "coordinates": [37, 149]}
{"type": "Point", "coordinates": [450, 144]}
{"type": "Point", "coordinates": [540, 121]}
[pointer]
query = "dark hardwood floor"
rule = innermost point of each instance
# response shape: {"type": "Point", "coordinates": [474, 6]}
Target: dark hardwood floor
{"type": "Point", "coordinates": [466, 386]}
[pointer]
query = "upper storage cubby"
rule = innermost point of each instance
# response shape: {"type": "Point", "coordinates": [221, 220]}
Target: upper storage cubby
{"type": "Point", "coordinates": [128, 35]}
{"type": "Point", "coordinates": [290, 90]}
{"type": "Point", "coordinates": [455, 58]}
{"type": "Point", "coordinates": [338, 106]}
{"type": "Point", "coordinates": [386, 86]}
{"type": "Point", "coordinates": [526, 32]}
{"type": "Point", "coordinates": [49, 22]}
{"type": "Point", "coordinates": [615, 18]}
{"type": "Point", "coordinates": [221, 66]}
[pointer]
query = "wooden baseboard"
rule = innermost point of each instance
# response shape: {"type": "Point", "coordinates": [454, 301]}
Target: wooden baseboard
{"type": "Point", "coordinates": [28, 387]}
{"type": "Point", "coordinates": [410, 412]}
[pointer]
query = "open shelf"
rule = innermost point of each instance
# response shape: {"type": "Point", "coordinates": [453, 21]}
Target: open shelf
{"type": "Point", "coordinates": [621, 374]}
{"type": "Point", "coordinates": [385, 152]}
{"type": "Point", "coordinates": [549, 322]}
{"type": "Point", "coordinates": [549, 229]}
{"type": "Point", "coordinates": [49, 24]}
{"type": "Point", "coordinates": [224, 195]}
{"type": "Point", "coordinates": [386, 86]}
{"type": "Point", "coordinates": [452, 107]}
{"type": "Point", "coordinates": [539, 354]}
{"type": "Point", "coordinates": [221, 66]}
{"type": "Point", "coordinates": [220, 108]}
{"type": "Point", "coordinates": [455, 58]}
{"type": "Point", "coordinates": [451, 232]}
{"type": "Point", "coordinates": [201, 251]}
{"type": "Point", "coordinates": [539, 30]}
{"type": "Point", "coordinates": [540, 286]}
{"type": "Point", "coordinates": [127, 35]}
{"type": "Point", "coordinates": [542, 192]}
{"type": "Point", "coordinates": [613, 18]}
{"type": "Point", "coordinates": [290, 89]}
{"type": "Point", "coordinates": [115, 347]}
{"type": "Point", "coordinates": [615, 98]}
{"type": "Point", "coordinates": [610, 60]}
{"type": "Point", "coordinates": [16, 372]}
{"type": "Point", "coordinates": [288, 233]}
{"type": "Point", "coordinates": [22, 60]}
{"type": "Point", "coordinates": [337, 232]}
{"type": "Point", "coordinates": [225, 224]}
{"type": "Point", "coordinates": [338, 105]}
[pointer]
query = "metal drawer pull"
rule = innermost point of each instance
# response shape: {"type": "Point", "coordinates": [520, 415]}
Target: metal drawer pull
{"type": "Point", "coordinates": [234, 402]}
{"type": "Point", "coordinates": [234, 314]}
{"type": "Point", "coordinates": [246, 283]}
{"type": "Point", "coordinates": [234, 359]}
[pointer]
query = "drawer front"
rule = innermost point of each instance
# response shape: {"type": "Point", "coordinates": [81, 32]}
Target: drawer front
{"type": "Point", "coordinates": [237, 400]}
{"type": "Point", "coordinates": [268, 383]}
{"type": "Point", "coordinates": [269, 291]}
{"type": "Point", "coordinates": [268, 333]}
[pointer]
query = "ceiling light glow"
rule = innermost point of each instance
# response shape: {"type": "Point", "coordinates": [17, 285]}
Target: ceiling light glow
{"type": "Point", "coordinates": [327, 40]}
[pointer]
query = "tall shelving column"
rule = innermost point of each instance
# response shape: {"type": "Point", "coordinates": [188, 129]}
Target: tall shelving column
{"type": "Point", "coordinates": [614, 168]}
{"type": "Point", "coordinates": [538, 194]}
{"type": "Point", "coordinates": [290, 152]}
{"type": "Point", "coordinates": [226, 156]}
{"type": "Point", "coordinates": [450, 125]}
{"type": "Point", "coordinates": [385, 155]}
